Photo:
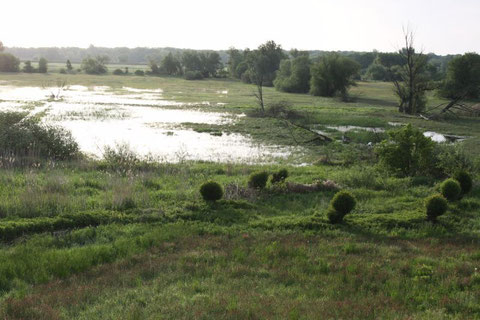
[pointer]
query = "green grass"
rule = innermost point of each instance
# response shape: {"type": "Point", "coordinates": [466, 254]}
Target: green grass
{"type": "Point", "coordinates": [83, 240]}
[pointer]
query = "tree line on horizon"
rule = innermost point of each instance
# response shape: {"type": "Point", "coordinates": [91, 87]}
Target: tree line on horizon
{"type": "Point", "coordinates": [327, 74]}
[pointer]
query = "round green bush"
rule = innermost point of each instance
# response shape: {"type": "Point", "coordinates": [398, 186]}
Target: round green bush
{"type": "Point", "coordinates": [451, 189]}
{"type": "Point", "coordinates": [279, 176]}
{"type": "Point", "coordinates": [465, 180]}
{"type": "Point", "coordinates": [211, 191]}
{"type": "Point", "coordinates": [334, 216]}
{"type": "Point", "coordinates": [258, 180]}
{"type": "Point", "coordinates": [436, 205]}
{"type": "Point", "coordinates": [343, 202]}
{"type": "Point", "coordinates": [139, 73]}
{"type": "Point", "coordinates": [117, 72]}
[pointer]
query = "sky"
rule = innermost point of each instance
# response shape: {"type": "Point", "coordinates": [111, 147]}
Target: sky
{"type": "Point", "coordinates": [440, 26]}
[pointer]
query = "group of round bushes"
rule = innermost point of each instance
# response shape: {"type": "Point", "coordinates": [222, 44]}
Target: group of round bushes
{"type": "Point", "coordinates": [213, 191]}
{"type": "Point", "coordinates": [344, 202]}
{"type": "Point", "coordinates": [451, 190]}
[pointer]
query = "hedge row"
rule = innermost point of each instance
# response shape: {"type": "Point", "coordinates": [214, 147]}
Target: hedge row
{"type": "Point", "coordinates": [10, 230]}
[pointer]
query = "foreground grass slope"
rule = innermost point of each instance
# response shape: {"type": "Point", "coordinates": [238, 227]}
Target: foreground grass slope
{"type": "Point", "coordinates": [90, 240]}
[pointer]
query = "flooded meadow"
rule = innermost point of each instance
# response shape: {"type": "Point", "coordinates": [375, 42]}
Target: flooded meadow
{"type": "Point", "coordinates": [101, 117]}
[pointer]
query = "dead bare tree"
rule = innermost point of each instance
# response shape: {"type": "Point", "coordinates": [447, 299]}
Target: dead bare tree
{"type": "Point", "coordinates": [412, 83]}
{"type": "Point", "coordinates": [58, 87]}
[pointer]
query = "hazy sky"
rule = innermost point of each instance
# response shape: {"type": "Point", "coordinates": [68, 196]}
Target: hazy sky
{"type": "Point", "coordinates": [441, 26]}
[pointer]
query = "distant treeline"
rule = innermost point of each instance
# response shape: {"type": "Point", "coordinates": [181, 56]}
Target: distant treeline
{"type": "Point", "coordinates": [115, 55]}
{"type": "Point", "coordinates": [145, 55]}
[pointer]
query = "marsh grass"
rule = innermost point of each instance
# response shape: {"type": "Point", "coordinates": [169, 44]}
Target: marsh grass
{"type": "Point", "coordinates": [386, 279]}
{"type": "Point", "coordinates": [132, 239]}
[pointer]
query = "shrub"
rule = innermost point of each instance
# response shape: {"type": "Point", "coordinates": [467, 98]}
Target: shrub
{"type": "Point", "coordinates": [95, 65]}
{"type": "Point", "coordinates": [139, 73]}
{"type": "Point", "coordinates": [63, 71]}
{"type": "Point", "coordinates": [451, 189]}
{"type": "Point", "coordinates": [281, 109]}
{"type": "Point", "coordinates": [408, 152]}
{"type": "Point", "coordinates": [258, 180]}
{"type": "Point", "coordinates": [211, 191]}
{"type": "Point", "coordinates": [453, 157]}
{"type": "Point", "coordinates": [334, 216]}
{"type": "Point", "coordinates": [21, 136]}
{"type": "Point", "coordinates": [9, 63]}
{"type": "Point", "coordinates": [465, 181]}
{"type": "Point", "coordinates": [118, 72]}
{"type": "Point", "coordinates": [279, 176]}
{"type": "Point", "coordinates": [343, 202]}
{"type": "Point", "coordinates": [121, 157]}
{"type": "Point", "coordinates": [436, 205]}
{"type": "Point", "coordinates": [193, 75]}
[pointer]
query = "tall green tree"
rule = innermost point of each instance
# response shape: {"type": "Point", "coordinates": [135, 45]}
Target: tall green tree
{"type": "Point", "coordinates": [42, 65]}
{"type": "Point", "coordinates": [211, 63]}
{"type": "Point", "coordinates": [191, 61]}
{"type": "Point", "coordinates": [332, 75]}
{"type": "Point", "coordinates": [2, 48]}
{"type": "Point", "coordinates": [265, 61]}
{"type": "Point", "coordinates": [69, 65]}
{"type": "Point", "coordinates": [377, 71]}
{"type": "Point", "coordinates": [153, 65]}
{"type": "Point", "coordinates": [262, 66]}
{"type": "Point", "coordinates": [170, 65]}
{"type": "Point", "coordinates": [234, 60]}
{"type": "Point", "coordinates": [463, 78]}
{"type": "Point", "coordinates": [294, 75]}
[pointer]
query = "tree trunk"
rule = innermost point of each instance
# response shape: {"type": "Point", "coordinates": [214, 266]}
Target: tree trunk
{"type": "Point", "coordinates": [260, 97]}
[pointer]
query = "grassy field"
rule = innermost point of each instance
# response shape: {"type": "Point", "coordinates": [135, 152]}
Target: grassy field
{"type": "Point", "coordinates": [85, 240]}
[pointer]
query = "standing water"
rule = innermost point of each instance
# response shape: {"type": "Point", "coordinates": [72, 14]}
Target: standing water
{"type": "Point", "coordinates": [150, 125]}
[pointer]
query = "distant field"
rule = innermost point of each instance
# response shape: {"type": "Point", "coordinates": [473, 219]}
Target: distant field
{"type": "Point", "coordinates": [56, 66]}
